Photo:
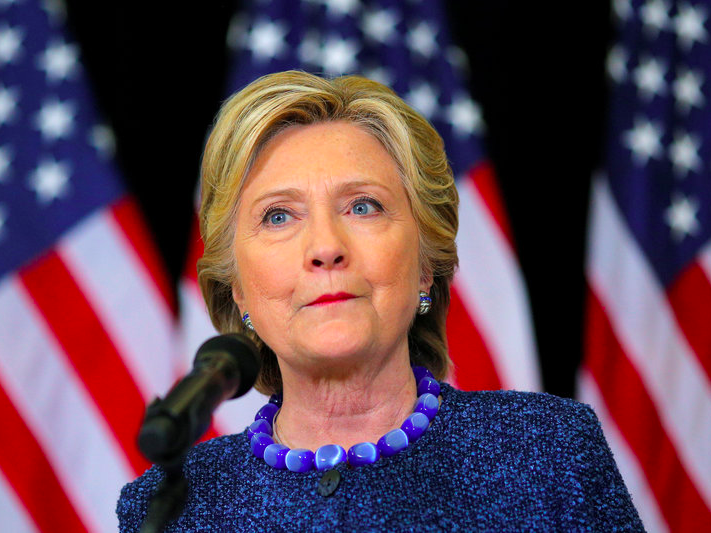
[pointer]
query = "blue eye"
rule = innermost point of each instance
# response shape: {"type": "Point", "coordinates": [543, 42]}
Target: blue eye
{"type": "Point", "coordinates": [362, 208]}
{"type": "Point", "coordinates": [277, 218]}
{"type": "Point", "coordinates": [365, 207]}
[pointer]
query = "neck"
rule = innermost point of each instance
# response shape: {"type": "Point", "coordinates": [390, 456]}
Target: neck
{"type": "Point", "coordinates": [359, 407]}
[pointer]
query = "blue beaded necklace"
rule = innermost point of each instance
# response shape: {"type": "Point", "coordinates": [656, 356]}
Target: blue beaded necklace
{"type": "Point", "coordinates": [279, 456]}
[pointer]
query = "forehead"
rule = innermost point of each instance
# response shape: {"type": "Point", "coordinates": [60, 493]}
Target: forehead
{"type": "Point", "coordinates": [333, 150]}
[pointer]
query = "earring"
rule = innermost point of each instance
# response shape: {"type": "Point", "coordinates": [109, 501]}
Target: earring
{"type": "Point", "coordinates": [425, 303]}
{"type": "Point", "coordinates": [247, 322]}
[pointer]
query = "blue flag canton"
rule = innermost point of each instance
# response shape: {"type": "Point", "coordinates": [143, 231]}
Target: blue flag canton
{"type": "Point", "coordinates": [55, 158]}
{"type": "Point", "coordinates": [659, 143]}
{"type": "Point", "coordinates": [404, 45]}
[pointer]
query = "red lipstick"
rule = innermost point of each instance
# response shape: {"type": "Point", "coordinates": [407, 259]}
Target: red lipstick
{"type": "Point", "coordinates": [328, 298]}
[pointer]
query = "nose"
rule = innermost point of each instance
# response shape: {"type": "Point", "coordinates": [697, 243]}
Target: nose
{"type": "Point", "coordinates": [326, 247]}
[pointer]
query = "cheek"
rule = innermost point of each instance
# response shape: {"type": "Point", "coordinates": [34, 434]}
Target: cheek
{"type": "Point", "coordinates": [396, 270]}
{"type": "Point", "coordinates": [265, 277]}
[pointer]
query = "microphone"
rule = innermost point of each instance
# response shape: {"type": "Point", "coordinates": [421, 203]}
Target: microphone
{"type": "Point", "coordinates": [225, 367]}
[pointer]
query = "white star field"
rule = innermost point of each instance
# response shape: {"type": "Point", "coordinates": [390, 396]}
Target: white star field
{"type": "Point", "coordinates": [647, 137]}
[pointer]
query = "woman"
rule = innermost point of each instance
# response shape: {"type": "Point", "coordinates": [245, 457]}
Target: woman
{"type": "Point", "coordinates": [329, 214]}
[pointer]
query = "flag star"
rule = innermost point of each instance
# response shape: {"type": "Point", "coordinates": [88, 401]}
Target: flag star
{"type": "Point", "coordinates": [380, 25]}
{"type": "Point", "coordinates": [465, 116]}
{"type": "Point", "coordinates": [644, 139]}
{"type": "Point", "coordinates": [422, 38]}
{"type": "Point", "coordinates": [5, 160]}
{"type": "Point", "coordinates": [102, 138]}
{"type": "Point", "coordinates": [338, 56]}
{"type": "Point", "coordinates": [55, 9]}
{"type": "Point", "coordinates": [266, 39]}
{"type": "Point", "coordinates": [680, 216]}
{"type": "Point", "coordinates": [617, 63]}
{"type": "Point", "coordinates": [341, 7]}
{"type": "Point", "coordinates": [649, 77]}
{"type": "Point", "coordinates": [59, 61]}
{"type": "Point", "coordinates": [50, 181]}
{"type": "Point", "coordinates": [424, 99]}
{"type": "Point", "coordinates": [3, 220]}
{"type": "Point", "coordinates": [689, 25]}
{"type": "Point", "coordinates": [684, 153]}
{"type": "Point", "coordinates": [381, 75]}
{"type": "Point", "coordinates": [309, 50]}
{"type": "Point", "coordinates": [55, 119]}
{"type": "Point", "coordinates": [8, 104]}
{"type": "Point", "coordinates": [687, 90]}
{"type": "Point", "coordinates": [458, 58]}
{"type": "Point", "coordinates": [237, 32]}
{"type": "Point", "coordinates": [622, 8]}
{"type": "Point", "coordinates": [10, 43]}
{"type": "Point", "coordinates": [655, 16]}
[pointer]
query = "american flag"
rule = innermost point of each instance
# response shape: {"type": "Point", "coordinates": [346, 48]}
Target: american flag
{"type": "Point", "coordinates": [405, 45]}
{"type": "Point", "coordinates": [87, 329]}
{"type": "Point", "coordinates": [647, 368]}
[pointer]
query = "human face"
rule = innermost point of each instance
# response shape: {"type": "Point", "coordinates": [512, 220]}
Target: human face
{"type": "Point", "coordinates": [327, 248]}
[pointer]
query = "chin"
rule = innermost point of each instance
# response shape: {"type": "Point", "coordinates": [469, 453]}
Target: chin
{"type": "Point", "coordinates": [339, 341]}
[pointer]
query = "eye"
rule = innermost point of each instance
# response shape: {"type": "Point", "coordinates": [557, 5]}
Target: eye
{"type": "Point", "coordinates": [365, 206]}
{"type": "Point", "coordinates": [276, 217]}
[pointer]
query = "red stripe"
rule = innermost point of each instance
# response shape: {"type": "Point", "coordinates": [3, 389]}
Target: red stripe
{"type": "Point", "coordinates": [484, 179]}
{"type": "Point", "coordinates": [638, 421]}
{"type": "Point", "coordinates": [473, 367]}
{"type": "Point", "coordinates": [90, 350]}
{"type": "Point", "coordinates": [31, 476]}
{"type": "Point", "coordinates": [129, 218]}
{"type": "Point", "coordinates": [690, 298]}
{"type": "Point", "coordinates": [195, 251]}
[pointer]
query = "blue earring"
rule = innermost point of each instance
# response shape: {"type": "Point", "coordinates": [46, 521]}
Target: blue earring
{"type": "Point", "coordinates": [247, 322]}
{"type": "Point", "coordinates": [425, 303]}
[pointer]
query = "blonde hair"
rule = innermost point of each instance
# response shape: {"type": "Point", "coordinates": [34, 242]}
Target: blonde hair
{"type": "Point", "coordinates": [245, 124]}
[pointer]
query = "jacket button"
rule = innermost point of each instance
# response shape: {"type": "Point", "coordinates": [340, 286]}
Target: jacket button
{"type": "Point", "coordinates": [329, 482]}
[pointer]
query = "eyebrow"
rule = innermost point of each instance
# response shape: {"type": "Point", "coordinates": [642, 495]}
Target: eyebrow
{"type": "Point", "coordinates": [294, 192]}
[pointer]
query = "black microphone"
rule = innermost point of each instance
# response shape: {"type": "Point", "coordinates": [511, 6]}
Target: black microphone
{"type": "Point", "coordinates": [225, 367]}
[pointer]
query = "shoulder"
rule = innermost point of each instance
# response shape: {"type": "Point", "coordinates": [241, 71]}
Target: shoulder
{"type": "Point", "coordinates": [553, 447]}
{"type": "Point", "coordinates": [552, 429]}
{"type": "Point", "coordinates": [203, 461]}
{"type": "Point", "coordinates": [516, 409]}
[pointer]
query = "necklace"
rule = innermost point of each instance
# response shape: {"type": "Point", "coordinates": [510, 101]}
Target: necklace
{"type": "Point", "coordinates": [275, 454]}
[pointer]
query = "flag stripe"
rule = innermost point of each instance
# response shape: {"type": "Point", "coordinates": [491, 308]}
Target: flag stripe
{"type": "Point", "coordinates": [690, 299]}
{"type": "Point", "coordinates": [51, 399]}
{"type": "Point", "coordinates": [12, 510]}
{"type": "Point", "coordinates": [231, 416]}
{"type": "Point", "coordinates": [26, 468]}
{"type": "Point", "coordinates": [473, 366]}
{"type": "Point", "coordinates": [627, 462]}
{"type": "Point", "coordinates": [493, 292]}
{"type": "Point", "coordinates": [635, 414]}
{"type": "Point", "coordinates": [704, 261]}
{"type": "Point", "coordinates": [93, 355]}
{"type": "Point", "coordinates": [145, 339]}
{"type": "Point", "coordinates": [484, 179]}
{"type": "Point", "coordinates": [195, 251]}
{"type": "Point", "coordinates": [131, 220]}
{"type": "Point", "coordinates": [644, 325]}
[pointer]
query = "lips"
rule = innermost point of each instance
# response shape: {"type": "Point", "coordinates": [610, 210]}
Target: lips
{"type": "Point", "coordinates": [331, 298]}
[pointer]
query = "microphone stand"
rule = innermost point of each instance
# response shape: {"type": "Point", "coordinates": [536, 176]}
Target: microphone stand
{"type": "Point", "coordinates": [173, 424]}
{"type": "Point", "coordinates": [225, 367]}
{"type": "Point", "coordinates": [168, 501]}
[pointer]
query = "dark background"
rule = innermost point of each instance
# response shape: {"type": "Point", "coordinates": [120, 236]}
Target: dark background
{"type": "Point", "coordinates": [158, 71]}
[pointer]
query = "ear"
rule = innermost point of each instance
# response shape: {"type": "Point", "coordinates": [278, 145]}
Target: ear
{"type": "Point", "coordinates": [426, 280]}
{"type": "Point", "coordinates": [238, 296]}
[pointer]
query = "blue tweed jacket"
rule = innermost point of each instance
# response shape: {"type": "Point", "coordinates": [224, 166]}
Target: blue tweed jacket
{"type": "Point", "coordinates": [491, 461]}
